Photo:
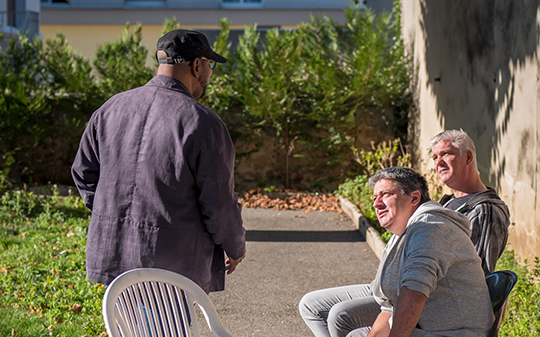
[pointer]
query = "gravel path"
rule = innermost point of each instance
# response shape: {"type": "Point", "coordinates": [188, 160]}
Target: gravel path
{"type": "Point", "coordinates": [288, 254]}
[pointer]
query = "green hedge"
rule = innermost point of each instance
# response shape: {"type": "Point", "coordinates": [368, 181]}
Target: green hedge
{"type": "Point", "coordinates": [316, 92]}
{"type": "Point", "coordinates": [47, 95]}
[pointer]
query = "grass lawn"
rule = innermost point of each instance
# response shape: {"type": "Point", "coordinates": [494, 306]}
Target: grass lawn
{"type": "Point", "coordinates": [43, 287]}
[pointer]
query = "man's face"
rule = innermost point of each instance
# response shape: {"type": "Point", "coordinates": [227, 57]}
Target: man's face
{"type": "Point", "coordinates": [392, 207]}
{"type": "Point", "coordinates": [449, 164]}
{"type": "Point", "coordinates": [206, 72]}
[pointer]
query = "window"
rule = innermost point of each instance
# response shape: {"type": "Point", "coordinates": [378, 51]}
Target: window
{"type": "Point", "coordinates": [54, 1]}
{"type": "Point", "coordinates": [241, 3]}
{"type": "Point", "coordinates": [144, 3]}
{"type": "Point", "coordinates": [10, 15]}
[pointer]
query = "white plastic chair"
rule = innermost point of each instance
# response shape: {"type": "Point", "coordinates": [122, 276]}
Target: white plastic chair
{"type": "Point", "coordinates": [150, 302]}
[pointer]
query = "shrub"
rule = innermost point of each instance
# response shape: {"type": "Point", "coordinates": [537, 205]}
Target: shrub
{"type": "Point", "coordinates": [121, 64]}
{"type": "Point", "coordinates": [314, 93]}
{"type": "Point", "coordinates": [4, 172]}
{"type": "Point", "coordinates": [521, 318]}
{"type": "Point", "coordinates": [357, 190]}
{"type": "Point", "coordinates": [47, 92]}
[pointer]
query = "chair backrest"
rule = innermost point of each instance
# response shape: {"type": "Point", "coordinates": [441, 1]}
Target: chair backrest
{"type": "Point", "coordinates": [150, 302]}
{"type": "Point", "coordinates": [499, 283]}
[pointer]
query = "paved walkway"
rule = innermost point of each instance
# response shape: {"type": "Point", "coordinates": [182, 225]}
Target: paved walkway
{"type": "Point", "coordinates": [288, 254]}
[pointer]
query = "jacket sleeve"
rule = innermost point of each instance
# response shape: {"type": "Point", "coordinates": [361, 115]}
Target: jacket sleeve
{"type": "Point", "coordinates": [489, 228]}
{"type": "Point", "coordinates": [85, 168]}
{"type": "Point", "coordinates": [219, 204]}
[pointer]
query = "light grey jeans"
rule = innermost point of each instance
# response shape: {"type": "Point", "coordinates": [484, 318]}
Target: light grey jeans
{"type": "Point", "coordinates": [334, 312]}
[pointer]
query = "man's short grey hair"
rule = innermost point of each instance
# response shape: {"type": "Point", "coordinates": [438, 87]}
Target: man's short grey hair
{"type": "Point", "coordinates": [458, 138]}
{"type": "Point", "coordinates": [404, 178]}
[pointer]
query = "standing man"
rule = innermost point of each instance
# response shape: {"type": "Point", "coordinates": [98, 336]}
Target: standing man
{"type": "Point", "coordinates": [155, 167]}
{"type": "Point", "coordinates": [454, 156]}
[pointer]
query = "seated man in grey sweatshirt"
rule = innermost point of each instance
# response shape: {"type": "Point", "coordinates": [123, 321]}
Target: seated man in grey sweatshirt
{"type": "Point", "coordinates": [430, 281]}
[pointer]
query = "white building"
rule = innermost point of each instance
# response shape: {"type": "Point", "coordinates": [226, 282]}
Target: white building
{"type": "Point", "coordinates": [19, 16]}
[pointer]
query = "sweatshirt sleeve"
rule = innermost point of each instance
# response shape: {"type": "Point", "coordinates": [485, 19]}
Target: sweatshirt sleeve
{"type": "Point", "coordinates": [426, 259]}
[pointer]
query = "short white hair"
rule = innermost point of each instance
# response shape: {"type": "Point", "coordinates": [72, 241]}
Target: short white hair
{"type": "Point", "coordinates": [459, 139]}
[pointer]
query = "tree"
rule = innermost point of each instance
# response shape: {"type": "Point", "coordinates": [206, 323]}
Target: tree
{"type": "Point", "coordinates": [121, 64]}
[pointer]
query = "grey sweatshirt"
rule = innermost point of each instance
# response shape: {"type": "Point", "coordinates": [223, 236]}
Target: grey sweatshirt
{"type": "Point", "coordinates": [435, 256]}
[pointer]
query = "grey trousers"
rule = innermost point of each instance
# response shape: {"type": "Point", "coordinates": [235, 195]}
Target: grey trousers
{"type": "Point", "coordinates": [334, 312]}
{"type": "Point", "coordinates": [361, 332]}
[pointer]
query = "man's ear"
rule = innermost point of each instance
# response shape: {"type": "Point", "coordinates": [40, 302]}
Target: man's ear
{"type": "Point", "coordinates": [416, 196]}
{"type": "Point", "coordinates": [470, 157]}
{"type": "Point", "coordinates": [196, 67]}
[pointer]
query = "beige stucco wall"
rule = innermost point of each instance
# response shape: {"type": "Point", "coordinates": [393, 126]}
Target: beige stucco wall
{"type": "Point", "coordinates": [475, 67]}
{"type": "Point", "coordinates": [85, 39]}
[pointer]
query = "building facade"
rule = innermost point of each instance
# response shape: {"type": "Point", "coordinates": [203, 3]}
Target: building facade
{"type": "Point", "coordinates": [89, 23]}
{"type": "Point", "coordinates": [19, 16]}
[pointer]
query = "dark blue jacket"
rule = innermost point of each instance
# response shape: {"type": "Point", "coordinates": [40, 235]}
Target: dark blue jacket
{"type": "Point", "coordinates": [155, 167]}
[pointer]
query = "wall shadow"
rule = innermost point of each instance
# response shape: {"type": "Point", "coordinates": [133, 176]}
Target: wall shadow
{"type": "Point", "coordinates": [472, 48]}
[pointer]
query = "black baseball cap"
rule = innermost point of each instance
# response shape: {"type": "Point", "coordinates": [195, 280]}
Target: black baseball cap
{"type": "Point", "coordinates": [184, 45]}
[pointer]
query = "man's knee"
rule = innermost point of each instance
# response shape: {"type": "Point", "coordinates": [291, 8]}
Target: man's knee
{"type": "Point", "coordinates": [340, 319]}
{"type": "Point", "coordinates": [349, 315]}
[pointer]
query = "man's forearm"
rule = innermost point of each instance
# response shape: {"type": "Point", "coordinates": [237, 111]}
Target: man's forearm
{"type": "Point", "coordinates": [407, 312]}
{"type": "Point", "coordinates": [381, 327]}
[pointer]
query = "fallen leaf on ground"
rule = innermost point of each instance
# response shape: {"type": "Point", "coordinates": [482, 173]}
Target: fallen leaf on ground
{"type": "Point", "coordinates": [292, 201]}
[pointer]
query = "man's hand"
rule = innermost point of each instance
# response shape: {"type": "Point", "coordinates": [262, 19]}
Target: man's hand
{"type": "Point", "coordinates": [230, 264]}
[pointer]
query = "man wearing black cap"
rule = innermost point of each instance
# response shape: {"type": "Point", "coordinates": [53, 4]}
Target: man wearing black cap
{"type": "Point", "coordinates": [155, 167]}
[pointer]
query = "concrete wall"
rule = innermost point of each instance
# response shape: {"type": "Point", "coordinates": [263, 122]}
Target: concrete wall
{"type": "Point", "coordinates": [475, 66]}
{"type": "Point", "coordinates": [33, 5]}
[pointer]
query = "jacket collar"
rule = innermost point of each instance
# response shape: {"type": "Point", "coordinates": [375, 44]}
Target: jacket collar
{"type": "Point", "coordinates": [170, 83]}
{"type": "Point", "coordinates": [487, 196]}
